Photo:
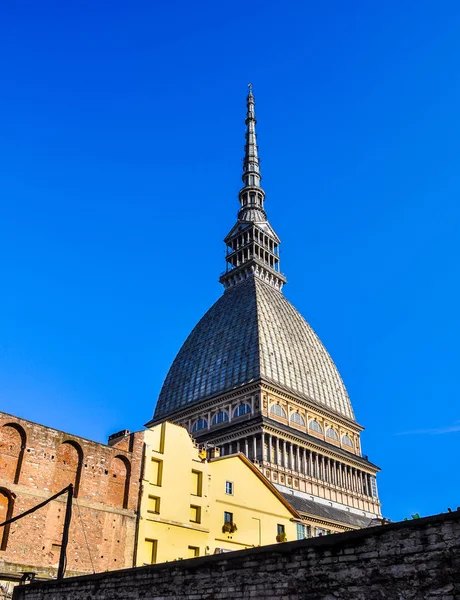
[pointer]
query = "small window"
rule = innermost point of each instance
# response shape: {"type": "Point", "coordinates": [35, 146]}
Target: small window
{"type": "Point", "coordinates": [229, 487]}
{"type": "Point", "coordinates": [331, 433]}
{"type": "Point", "coordinates": [278, 410]}
{"type": "Point", "coordinates": [156, 472]}
{"type": "Point", "coordinates": [228, 517]}
{"type": "Point", "coordinates": [241, 409]}
{"type": "Point", "coordinates": [320, 532]}
{"type": "Point", "coordinates": [280, 529]}
{"type": "Point", "coordinates": [193, 551]}
{"type": "Point", "coordinates": [297, 419]}
{"type": "Point", "coordinates": [373, 486]}
{"type": "Point", "coordinates": [315, 426]}
{"type": "Point", "coordinates": [151, 551]}
{"type": "Point", "coordinates": [153, 504]}
{"type": "Point", "coordinates": [346, 441]}
{"type": "Point", "coordinates": [220, 417]}
{"type": "Point", "coordinates": [197, 483]}
{"type": "Point", "coordinates": [303, 531]}
{"type": "Point", "coordinates": [195, 514]}
{"type": "Point", "coordinates": [199, 425]}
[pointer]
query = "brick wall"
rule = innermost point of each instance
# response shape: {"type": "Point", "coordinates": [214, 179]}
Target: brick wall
{"type": "Point", "coordinates": [410, 560]}
{"type": "Point", "coordinates": [36, 462]}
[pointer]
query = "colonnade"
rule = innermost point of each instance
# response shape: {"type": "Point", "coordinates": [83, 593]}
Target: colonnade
{"type": "Point", "coordinates": [291, 457]}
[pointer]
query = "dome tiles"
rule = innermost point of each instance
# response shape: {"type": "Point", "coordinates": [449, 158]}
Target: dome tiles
{"type": "Point", "coordinates": [252, 332]}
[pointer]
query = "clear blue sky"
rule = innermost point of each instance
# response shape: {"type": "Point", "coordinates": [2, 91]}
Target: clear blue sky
{"type": "Point", "coordinates": [121, 138]}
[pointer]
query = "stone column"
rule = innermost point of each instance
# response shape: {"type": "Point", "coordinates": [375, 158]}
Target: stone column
{"type": "Point", "coordinates": [278, 457]}
{"type": "Point", "coordinates": [270, 446]}
{"type": "Point", "coordinates": [310, 463]}
{"type": "Point", "coordinates": [317, 473]}
{"type": "Point", "coordinates": [305, 467]}
{"type": "Point", "coordinates": [285, 463]}
{"type": "Point", "coordinates": [298, 464]}
{"type": "Point", "coordinates": [238, 446]}
{"type": "Point", "coordinates": [254, 446]}
{"type": "Point", "coordinates": [246, 447]}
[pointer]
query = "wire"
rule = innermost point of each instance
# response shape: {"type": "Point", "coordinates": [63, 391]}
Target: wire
{"type": "Point", "coordinates": [84, 533]}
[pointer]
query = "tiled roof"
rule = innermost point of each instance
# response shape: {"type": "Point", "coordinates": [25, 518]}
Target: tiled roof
{"type": "Point", "coordinates": [252, 332]}
{"type": "Point", "coordinates": [322, 511]}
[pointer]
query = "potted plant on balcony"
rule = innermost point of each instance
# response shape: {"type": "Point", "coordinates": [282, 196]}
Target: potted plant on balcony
{"type": "Point", "coordinates": [281, 537]}
{"type": "Point", "coordinates": [229, 527]}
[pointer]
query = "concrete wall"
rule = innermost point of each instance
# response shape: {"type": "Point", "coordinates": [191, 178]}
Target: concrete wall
{"type": "Point", "coordinates": [411, 560]}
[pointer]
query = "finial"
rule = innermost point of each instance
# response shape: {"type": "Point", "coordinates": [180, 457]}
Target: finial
{"type": "Point", "coordinates": [250, 89]}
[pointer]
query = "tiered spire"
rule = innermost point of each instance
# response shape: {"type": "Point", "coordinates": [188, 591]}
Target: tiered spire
{"type": "Point", "coordinates": [252, 245]}
{"type": "Point", "coordinates": [251, 196]}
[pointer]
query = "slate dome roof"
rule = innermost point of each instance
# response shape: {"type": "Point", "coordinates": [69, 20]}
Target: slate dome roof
{"type": "Point", "coordinates": [252, 332]}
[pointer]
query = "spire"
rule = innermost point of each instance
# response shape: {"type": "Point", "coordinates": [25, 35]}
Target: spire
{"type": "Point", "coordinates": [252, 244]}
{"type": "Point", "coordinates": [251, 194]}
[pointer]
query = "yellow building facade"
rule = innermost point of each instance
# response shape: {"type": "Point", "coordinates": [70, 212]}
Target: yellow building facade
{"type": "Point", "coordinates": [193, 503]}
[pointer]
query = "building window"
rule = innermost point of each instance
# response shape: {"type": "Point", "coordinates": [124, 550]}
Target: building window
{"type": "Point", "coordinates": [315, 426]}
{"type": "Point", "coordinates": [199, 424]}
{"type": "Point", "coordinates": [303, 531]}
{"type": "Point", "coordinates": [242, 409]}
{"type": "Point", "coordinates": [320, 532]}
{"type": "Point", "coordinates": [197, 483]}
{"type": "Point", "coordinates": [156, 472]}
{"type": "Point", "coordinates": [220, 417]}
{"type": "Point", "coordinates": [228, 517]}
{"type": "Point", "coordinates": [278, 411]}
{"type": "Point", "coordinates": [280, 529]}
{"type": "Point", "coordinates": [373, 486]}
{"type": "Point", "coordinates": [193, 551]}
{"type": "Point", "coordinates": [297, 419]}
{"type": "Point", "coordinates": [331, 433]}
{"type": "Point", "coordinates": [151, 547]}
{"type": "Point", "coordinates": [346, 441]}
{"type": "Point", "coordinates": [195, 514]}
{"type": "Point", "coordinates": [153, 504]}
{"type": "Point", "coordinates": [229, 488]}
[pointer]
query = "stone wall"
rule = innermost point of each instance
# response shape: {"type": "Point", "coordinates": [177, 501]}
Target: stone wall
{"type": "Point", "coordinates": [410, 560]}
{"type": "Point", "coordinates": [35, 463]}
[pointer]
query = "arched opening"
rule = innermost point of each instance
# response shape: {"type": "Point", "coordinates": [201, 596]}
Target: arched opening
{"type": "Point", "coordinates": [332, 434]}
{"type": "Point", "coordinates": [297, 419]}
{"type": "Point", "coordinates": [347, 441]}
{"type": "Point", "coordinates": [315, 426]}
{"type": "Point", "coordinates": [12, 448]}
{"type": "Point", "coordinates": [220, 417]}
{"type": "Point", "coordinates": [278, 411]}
{"type": "Point", "coordinates": [6, 512]}
{"type": "Point", "coordinates": [69, 460]}
{"type": "Point", "coordinates": [242, 409]}
{"type": "Point", "coordinates": [199, 424]}
{"type": "Point", "coordinates": [120, 473]}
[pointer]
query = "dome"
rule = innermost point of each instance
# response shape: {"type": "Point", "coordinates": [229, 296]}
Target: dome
{"type": "Point", "coordinates": [252, 332]}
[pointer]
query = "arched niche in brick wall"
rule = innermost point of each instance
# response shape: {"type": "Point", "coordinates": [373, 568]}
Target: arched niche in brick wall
{"type": "Point", "coordinates": [69, 460]}
{"type": "Point", "coordinates": [12, 447]}
{"type": "Point", "coordinates": [119, 476]}
{"type": "Point", "coordinates": [6, 512]}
